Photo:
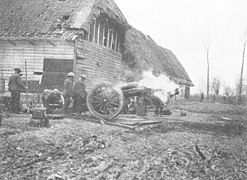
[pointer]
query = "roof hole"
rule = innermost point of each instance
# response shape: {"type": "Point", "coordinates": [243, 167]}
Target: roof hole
{"type": "Point", "coordinates": [45, 19]}
{"type": "Point", "coordinates": [65, 17]}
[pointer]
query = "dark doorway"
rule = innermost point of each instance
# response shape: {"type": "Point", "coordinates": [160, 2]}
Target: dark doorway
{"type": "Point", "coordinates": [54, 72]}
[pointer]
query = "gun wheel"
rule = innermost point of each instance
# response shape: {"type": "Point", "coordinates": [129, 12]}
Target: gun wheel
{"type": "Point", "coordinates": [105, 101]}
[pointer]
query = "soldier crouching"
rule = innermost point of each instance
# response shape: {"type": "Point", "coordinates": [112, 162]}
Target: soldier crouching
{"type": "Point", "coordinates": [52, 100]}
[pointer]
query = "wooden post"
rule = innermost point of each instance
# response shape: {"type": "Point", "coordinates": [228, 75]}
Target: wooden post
{"type": "Point", "coordinates": [94, 27]}
{"type": "Point", "coordinates": [112, 37]}
{"type": "Point", "coordinates": [118, 45]}
{"type": "Point", "coordinates": [116, 39]}
{"type": "Point", "coordinates": [27, 99]}
{"type": "Point", "coordinates": [89, 32]}
{"type": "Point", "coordinates": [108, 36]}
{"type": "Point", "coordinates": [98, 33]}
{"type": "Point", "coordinates": [103, 37]}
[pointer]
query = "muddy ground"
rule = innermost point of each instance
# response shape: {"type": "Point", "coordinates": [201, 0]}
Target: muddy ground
{"type": "Point", "coordinates": [200, 145]}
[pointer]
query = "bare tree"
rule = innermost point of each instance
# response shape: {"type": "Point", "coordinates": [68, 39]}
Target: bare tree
{"type": "Point", "coordinates": [243, 86]}
{"type": "Point", "coordinates": [206, 45]}
{"type": "Point", "coordinates": [241, 75]}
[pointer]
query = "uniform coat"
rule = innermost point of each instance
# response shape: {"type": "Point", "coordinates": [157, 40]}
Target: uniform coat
{"type": "Point", "coordinates": [15, 88]}
{"type": "Point", "coordinates": [79, 96]}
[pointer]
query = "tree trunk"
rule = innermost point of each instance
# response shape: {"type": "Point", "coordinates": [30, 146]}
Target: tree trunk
{"type": "Point", "coordinates": [207, 74]}
{"type": "Point", "coordinates": [241, 75]}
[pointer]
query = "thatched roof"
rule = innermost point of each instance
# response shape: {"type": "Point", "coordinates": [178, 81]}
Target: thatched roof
{"type": "Point", "coordinates": [69, 18]}
{"type": "Point", "coordinates": [51, 18]}
{"type": "Point", "coordinates": [142, 53]}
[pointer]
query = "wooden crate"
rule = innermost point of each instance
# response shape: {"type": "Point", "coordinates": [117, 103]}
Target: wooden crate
{"type": "Point", "coordinates": [39, 122]}
{"type": "Point", "coordinates": [39, 113]}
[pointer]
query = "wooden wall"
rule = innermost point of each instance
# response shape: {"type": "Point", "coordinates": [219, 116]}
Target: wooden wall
{"type": "Point", "coordinates": [98, 62]}
{"type": "Point", "coordinates": [14, 53]}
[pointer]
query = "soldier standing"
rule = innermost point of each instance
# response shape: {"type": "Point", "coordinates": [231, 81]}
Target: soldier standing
{"type": "Point", "coordinates": [15, 87]}
{"type": "Point", "coordinates": [80, 95]}
{"type": "Point", "coordinates": [202, 97]}
{"type": "Point", "coordinates": [68, 91]}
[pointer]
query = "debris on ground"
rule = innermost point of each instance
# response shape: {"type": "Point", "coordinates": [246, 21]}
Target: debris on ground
{"type": "Point", "coordinates": [196, 146]}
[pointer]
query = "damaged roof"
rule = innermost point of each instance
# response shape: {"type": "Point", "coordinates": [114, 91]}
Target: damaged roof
{"type": "Point", "coordinates": [68, 18]}
{"type": "Point", "coordinates": [142, 53]}
{"type": "Point", "coordinates": [62, 18]}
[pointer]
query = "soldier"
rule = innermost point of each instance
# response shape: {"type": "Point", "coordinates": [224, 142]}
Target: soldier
{"type": "Point", "coordinates": [45, 95]}
{"type": "Point", "coordinates": [202, 97]}
{"type": "Point", "coordinates": [214, 97]}
{"type": "Point", "coordinates": [80, 95]}
{"type": "Point", "coordinates": [15, 87]}
{"type": "Point", "coordinates": [68, 91]}
{"type": "Point", "coordinates": [54, 98]}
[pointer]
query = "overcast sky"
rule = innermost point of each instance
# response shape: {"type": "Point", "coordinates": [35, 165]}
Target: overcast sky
{"type": "Point", "coordinates": [184, 27]}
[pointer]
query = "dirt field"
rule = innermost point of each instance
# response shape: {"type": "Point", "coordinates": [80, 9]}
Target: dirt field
{"type": "Point", "coordinates": [200, 145]}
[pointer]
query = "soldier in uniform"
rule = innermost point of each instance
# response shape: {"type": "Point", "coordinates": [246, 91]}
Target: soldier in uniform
{"type": "Point", "coordinates": [15, 87]}
{"type": "Point", "coordinates": [54, 100]}
{"type": "Point", "coordinates": [68, 92]}
{"type": "Point", "coordinates": [52, 97]}
{"type": "Point", "coordinates": [80, 95]}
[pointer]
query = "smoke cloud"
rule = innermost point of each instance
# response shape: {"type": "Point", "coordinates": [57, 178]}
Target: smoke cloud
{"type": "Point", "coordinates": [161, 85]}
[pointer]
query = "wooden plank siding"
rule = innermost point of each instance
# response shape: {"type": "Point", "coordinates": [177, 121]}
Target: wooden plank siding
{"type": "Point", "coordinates": [14, 55]}
{"type": "Point", "coordinates": [100, 63]}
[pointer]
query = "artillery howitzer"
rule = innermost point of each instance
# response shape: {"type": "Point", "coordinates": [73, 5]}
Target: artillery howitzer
{"type": "Point", "coordinates": [106, 101]}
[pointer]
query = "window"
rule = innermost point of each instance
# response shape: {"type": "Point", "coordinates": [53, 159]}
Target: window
{"type": "Point", "coordinates": [104, 33]}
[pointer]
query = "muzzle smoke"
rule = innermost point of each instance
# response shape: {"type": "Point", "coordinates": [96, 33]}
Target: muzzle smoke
{"type": "Point", "coordinates": [161, 85]}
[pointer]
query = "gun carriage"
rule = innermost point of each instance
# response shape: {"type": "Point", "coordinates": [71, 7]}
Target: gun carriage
{"type": "Point", "coordinates": [107, 101]}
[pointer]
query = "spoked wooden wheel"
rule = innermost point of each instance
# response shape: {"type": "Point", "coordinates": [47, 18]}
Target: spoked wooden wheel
{"type": "Point", "coordinates": [105, 101]}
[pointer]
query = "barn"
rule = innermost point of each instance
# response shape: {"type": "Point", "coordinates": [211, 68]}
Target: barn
{"type": "Point", "coordinates": [49, 38]}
